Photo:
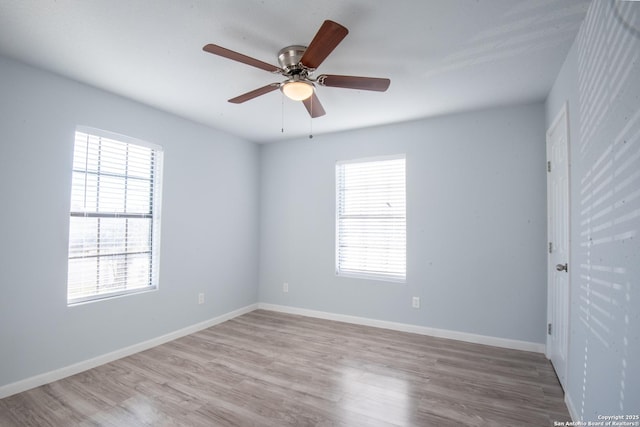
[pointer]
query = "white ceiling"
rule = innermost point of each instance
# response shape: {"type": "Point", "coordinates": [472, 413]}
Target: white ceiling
{"type": "Point", "coordinates": [442, 56]}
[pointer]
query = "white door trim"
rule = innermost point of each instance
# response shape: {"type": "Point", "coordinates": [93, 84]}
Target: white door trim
{"type": "Point", "coordinates": [562, 116]}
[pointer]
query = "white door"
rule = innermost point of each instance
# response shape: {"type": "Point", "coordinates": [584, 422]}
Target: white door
{"type": "Point", "coordinates": [558, 244]}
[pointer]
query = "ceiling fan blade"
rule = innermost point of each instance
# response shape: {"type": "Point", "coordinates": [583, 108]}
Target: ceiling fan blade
{"type": "Point", "coordinates": [314, 107]}
{"type": "Point", "coordinates": [230, 54]}
{"type": "Point", "coordinates": [254, 93]}
{"type": "Point", "coordinates": [354, 82]}
{"type": "Point", "coordinates": [326, 39]}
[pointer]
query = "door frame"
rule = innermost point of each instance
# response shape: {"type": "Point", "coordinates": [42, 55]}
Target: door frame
{"type": "Point", "coordinates": [562, 115]}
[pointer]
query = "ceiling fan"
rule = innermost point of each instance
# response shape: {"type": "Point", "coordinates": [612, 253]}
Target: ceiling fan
{"type": "Point", "coordinates": [297, 64]}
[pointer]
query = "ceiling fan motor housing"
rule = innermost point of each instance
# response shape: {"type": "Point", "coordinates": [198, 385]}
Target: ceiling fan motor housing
{"type": "Point", "coordinates": [289, 59]}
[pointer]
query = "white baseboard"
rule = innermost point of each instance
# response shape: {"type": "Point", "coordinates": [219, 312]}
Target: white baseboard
{"type": "Point", "coordinates": [572, 409]}
{"type": "Point", "coordinates": [404, 327]}
{"type": "Point", "coordinates": [47, 377]}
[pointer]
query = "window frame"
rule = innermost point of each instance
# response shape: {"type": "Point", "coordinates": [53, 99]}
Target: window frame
{"type": "Point", "coordinates": [156, 158]}
{"type": "Point", "coordinates": [369, 275]}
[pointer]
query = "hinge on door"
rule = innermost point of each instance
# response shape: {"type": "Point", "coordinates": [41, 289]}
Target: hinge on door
{"type": "Point", "coordinates": [550, 247]}
{"type": "Point", "coordinates": [548, 328]}
{"type": "Point", "coordinates": [549, 166]}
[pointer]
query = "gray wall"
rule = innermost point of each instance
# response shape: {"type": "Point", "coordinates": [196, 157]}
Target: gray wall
{"type": "Point", "coordinates": [600, 82]}
{"type": "Point", "coordinates": [209, 224]}
{"type": "Point", "coordinates": [476, 224]}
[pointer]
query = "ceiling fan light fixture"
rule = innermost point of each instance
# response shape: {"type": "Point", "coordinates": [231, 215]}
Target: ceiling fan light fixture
{"type": "Point", "coordinates": [297, 90]}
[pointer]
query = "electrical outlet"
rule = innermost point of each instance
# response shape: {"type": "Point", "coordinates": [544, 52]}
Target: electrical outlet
{"type": "Point", "coordinates": [201, 298]}
{"type": "Point", "coordinates": [415, 302]}
{"type": "Point", "coordinates": [285, 287]}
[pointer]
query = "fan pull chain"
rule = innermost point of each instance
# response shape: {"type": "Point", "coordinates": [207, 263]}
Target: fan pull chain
{"type": "Point", "coordinates": [282, 111]}
{"type": "Point", "coordinates": [311, 119]}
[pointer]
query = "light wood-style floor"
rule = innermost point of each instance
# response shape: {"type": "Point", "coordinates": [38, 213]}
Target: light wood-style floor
{"type": "Point", "coordinates": [273, 369]}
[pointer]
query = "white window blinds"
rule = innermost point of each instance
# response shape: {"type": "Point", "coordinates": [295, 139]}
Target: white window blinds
{"type": "Point", "coordinates": [371, 219]}
{"type": "Point", "coordinates": [114, 229]}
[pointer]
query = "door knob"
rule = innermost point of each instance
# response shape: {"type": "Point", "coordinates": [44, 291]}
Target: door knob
{"type": "Point", "coordinates": [562, 267]}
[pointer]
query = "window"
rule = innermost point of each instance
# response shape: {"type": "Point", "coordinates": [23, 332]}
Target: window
{"type": "Point", "coordinates": [114, 224]}
{"type": "Point", "coordinates": [371, 218]}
